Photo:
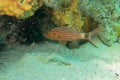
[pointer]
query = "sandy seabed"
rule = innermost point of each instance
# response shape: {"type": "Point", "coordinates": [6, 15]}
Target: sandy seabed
{"type": "Point", "coordinates": [52, 61]}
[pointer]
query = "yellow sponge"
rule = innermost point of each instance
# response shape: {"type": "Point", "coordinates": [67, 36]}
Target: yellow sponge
{"type": "Point", "coordinates": [14, 7]}
{"type": "Point", "coordinates": [70, 16]}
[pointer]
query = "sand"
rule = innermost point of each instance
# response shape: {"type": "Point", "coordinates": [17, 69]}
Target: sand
{"type": "Point", "coordinates": [53, 61]}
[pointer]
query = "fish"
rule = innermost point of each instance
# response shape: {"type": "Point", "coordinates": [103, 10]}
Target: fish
{"type": "Point", "coordinates": [64, 34]}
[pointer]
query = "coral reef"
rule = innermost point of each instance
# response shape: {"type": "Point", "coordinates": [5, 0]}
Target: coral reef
{"type": "Point", "coordinates": [9, 31]}
{"type": "Point", "coordinates": [57, 4]}
{"type": "Point", "coordinates": [26, 8]}
{"type": "Point", "coordinates": [89, 24]}
{"type": "Point", "coordinates": [106, 13]}
{"type": "Point", "coordinates": [70, 16]}
{"type": "Point", "coordinates": [16, 9]}
{"type": "Point", "coordinates": [82, 15]}
{"type": "Point", "coordinates": [15, 31]}
{"type": "Point", "coordinates": [5, 28]}
{"type": "Point", "coordinates": [31, 29]}
{"type": "Point", "coordinates": [19, 8]}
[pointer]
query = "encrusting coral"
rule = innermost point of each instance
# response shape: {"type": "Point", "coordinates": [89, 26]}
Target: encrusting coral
{"type": "Point", "coordinates": [26, 8]}
{"type": "Point", "coordinates": [57, 4]}
{"type": "Point", "coordinates": [18, 8]}
{"type": "Point", "coordinates": [70, 16]}
{"type": "Point", "coordinates": [14, 7]}
{"type": "Point", "coordinates": [89, 24]}
{"type": "Point", "coordinates": [15, 31]}
{"type": "Point", "coordinates": [107, 14]}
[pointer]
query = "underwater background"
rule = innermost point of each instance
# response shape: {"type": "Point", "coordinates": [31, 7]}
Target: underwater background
{"type": "Point", "coordinates": [59, 40]}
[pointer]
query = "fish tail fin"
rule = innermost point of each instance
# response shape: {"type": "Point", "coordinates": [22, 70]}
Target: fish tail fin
{"type": "Point", "coordinates": [94, 33]}
{"type": "Point", "coordinates": [88, 36]}
{"type": "Point", "coordinates": [93, 37]}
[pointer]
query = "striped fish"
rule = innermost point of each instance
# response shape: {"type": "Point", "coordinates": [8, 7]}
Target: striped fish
{"type": "Point", "coordinates": [68, 34]}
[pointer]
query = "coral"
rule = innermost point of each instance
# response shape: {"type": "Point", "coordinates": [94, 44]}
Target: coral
{"type": "Point", "coordinates": [117, 28]}
{"type": "Point", "coordinates": [7, 30]}
{"type": "Point", "coordinates": [15, 31]}
{"type": "Point", "coordinates": [31, 29]}
{"type": "Point", "coordinates": [56, 4]}
{"type": "Point", "coordinates": [83, 15]}
{"type": "Point", "coordinates": [18, 8]}
{"type": "Point", "coordinates": [70, 16]}
{"type": "Point", "coordinates": [36, 4]}
{"type": "Point", "coordinates": [89, 24]}
{"type": "Point", "coordinates": [106, 13]}
{"type": "Point", "coordinates": [108, 35]}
